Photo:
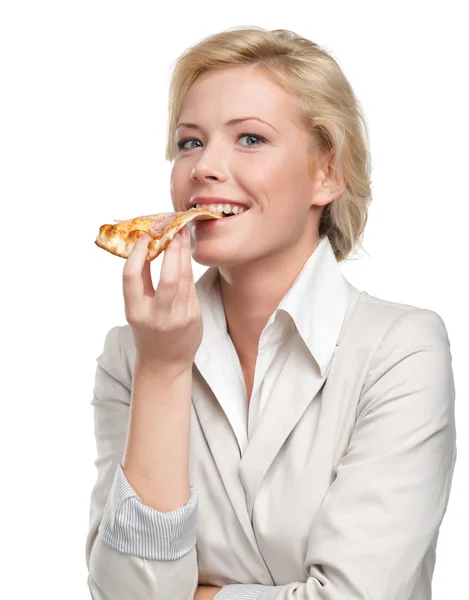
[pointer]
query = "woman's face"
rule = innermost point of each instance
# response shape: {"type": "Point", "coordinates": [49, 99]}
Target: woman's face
{"type": "Point", "coordinates": [263, 165]}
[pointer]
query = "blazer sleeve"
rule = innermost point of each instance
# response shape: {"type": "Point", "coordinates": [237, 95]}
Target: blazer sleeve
{"type": "Point", "coordinates": [391, 491]}
{"type": "Point", "coordinates": [132, 550]}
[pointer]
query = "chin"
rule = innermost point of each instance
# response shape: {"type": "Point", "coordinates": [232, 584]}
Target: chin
{"type": "Point", "coordinates": [216, 258]}
{"type": "Point", "coordinates": [234, 256]}
{"type": "Point", "coordinates": [211, 261]}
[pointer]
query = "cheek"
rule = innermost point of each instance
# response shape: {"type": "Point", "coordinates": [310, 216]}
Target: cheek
{"type": "Point", "coordinates": [265, 185]}
{"type": "Point", "coordinates": [283, 175]}
{"type": "Point", "coordinates": [178, 186]}
{"type": "Point", "coordinates": [284, 194]}
{"type": "Point", "coordinates": [176, 177]}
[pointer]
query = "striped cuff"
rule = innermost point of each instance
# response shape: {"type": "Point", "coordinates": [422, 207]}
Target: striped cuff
{"type": "Point", "coordinates": [240, 591]}
{"type": "Point", "coordinates": [131, 527]}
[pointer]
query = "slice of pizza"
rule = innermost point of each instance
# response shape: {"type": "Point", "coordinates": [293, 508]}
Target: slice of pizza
{"type": "Point", "coordinates": [119, 239]}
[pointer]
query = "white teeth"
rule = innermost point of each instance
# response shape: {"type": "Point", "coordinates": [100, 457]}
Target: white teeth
{"type": "Point", "coordinates": [225, 208]}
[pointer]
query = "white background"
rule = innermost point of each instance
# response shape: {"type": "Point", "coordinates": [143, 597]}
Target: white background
{"type": "Point", "coordinates": [83, 109]}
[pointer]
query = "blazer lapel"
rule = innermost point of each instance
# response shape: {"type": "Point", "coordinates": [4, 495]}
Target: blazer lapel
{"type": "Point", "coordinates": [297, 386]}
{"type": "Point", "coordinates": [298, 383]}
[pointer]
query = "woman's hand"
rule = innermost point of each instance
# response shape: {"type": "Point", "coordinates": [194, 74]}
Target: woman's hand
{"type": "Point", "coordinates": [166, 323]}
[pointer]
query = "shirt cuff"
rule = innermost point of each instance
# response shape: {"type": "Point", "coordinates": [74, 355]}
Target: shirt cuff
{"type": "Point", "coordinates": [240, 591]}
{"type": "Point", "coordinates": [131, 527]}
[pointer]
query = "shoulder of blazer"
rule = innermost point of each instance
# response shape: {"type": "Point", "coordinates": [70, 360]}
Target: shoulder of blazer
{"type": "Point", "coordinates": [369, 318]}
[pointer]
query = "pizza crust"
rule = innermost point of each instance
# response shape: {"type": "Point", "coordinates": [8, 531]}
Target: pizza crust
{"type": "Point", "coordinates": [119, 239]}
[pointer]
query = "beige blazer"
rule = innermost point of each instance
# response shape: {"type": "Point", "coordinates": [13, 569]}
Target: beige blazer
{"type": "Point", "coordinates": [341, 491]}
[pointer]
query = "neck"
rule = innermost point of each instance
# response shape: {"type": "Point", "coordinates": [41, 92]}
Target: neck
{"type": "Point", "coordinates": [251, 292]}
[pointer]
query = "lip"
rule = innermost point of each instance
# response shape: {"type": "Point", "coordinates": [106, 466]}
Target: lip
{"type": "Point", "coordinates": [213, 200]}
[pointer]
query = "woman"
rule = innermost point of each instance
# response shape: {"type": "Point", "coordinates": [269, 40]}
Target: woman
{"type": "Point", "coordinates": [270, 431]}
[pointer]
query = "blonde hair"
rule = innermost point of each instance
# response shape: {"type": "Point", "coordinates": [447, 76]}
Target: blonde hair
{"type": "Point", "coordinates": [328, 109]}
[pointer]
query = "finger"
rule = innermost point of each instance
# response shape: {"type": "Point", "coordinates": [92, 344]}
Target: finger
{"type": "Point", "coordinates": [186, 276]}
{"type": "Point", "coordinates": [148, 289]}
{"type": "Point", "coordinates": [132, 276]}
{"type": "Point", "coordinates": [193, 306]}
{"type": "Point", "coordinates": [167, 288]}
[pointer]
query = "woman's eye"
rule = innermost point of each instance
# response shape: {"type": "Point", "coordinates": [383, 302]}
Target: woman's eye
{"type": "Point", "coordinates": [182, 144]}
{"type": "Point", "coordinates": [251, 135]}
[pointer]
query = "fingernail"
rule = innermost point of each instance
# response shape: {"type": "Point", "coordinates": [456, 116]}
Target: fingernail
{"type": "Point", "coordinates": [145, 238]}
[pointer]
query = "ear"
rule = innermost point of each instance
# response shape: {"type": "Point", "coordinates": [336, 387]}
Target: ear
{"type": "Point", "coordinates": [328, 186]}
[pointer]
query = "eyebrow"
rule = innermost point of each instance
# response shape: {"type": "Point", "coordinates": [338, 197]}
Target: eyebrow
{"type": "Point", "coordinates": [231, 122]}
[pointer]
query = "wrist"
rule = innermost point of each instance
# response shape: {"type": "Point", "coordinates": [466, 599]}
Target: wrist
{"type": "Point", "coordinates": [144, 368]}
{"type": "Point", "coordinates": [206, 592]}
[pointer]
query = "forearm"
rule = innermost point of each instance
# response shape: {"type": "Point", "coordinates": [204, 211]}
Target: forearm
{"type": "Point", "coordinates": [156, 455]}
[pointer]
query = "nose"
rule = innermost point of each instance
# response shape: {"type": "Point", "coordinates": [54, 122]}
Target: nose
{"type": "Point", "coordinates": [204, 171]}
